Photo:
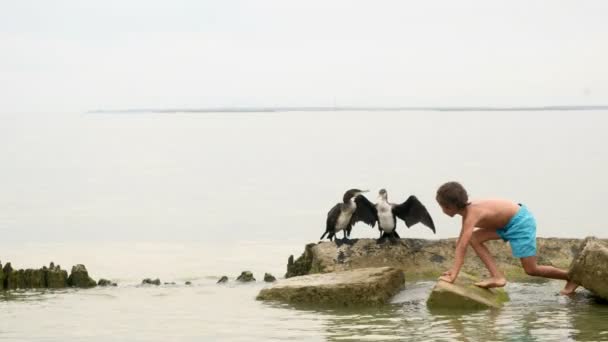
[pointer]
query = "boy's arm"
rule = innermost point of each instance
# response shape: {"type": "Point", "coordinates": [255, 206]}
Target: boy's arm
{"type": "Point", "coordinates": [461, 247]}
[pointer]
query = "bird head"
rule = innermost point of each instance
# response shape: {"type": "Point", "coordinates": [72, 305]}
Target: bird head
{"type": "Point", "coordinates": [382, 195]}
{"type": "Point", "coordinates": [352, 194]}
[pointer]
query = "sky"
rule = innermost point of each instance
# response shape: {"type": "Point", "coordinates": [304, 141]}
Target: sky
{"type": "Point", "coordinates": [75, 56]}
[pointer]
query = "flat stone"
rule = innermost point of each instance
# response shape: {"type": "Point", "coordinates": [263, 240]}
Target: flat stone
{"type": "Point", "coordinates": [464, 295]}
{"type": "Point", "coordinates": [590, 267]}
{"type": "Point", "coordinates": [364, 286]}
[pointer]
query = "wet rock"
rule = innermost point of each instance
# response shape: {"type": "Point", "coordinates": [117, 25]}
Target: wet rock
{"type": "Point", "coordinates": [15, 280]}
{"type": "Point", "coordinates": [307, 263]}
{"type": "Point", "coordinates": [464, 295]}
{"type": "Point", "coordinates": [365, 286]}
{"type": "Point", "coordinates": [245, 277]}
{"type": "Point", "coordinates": [171, 283]}
{"type": "Point", "coordinates": [79, 277]}
{"type": "Point", "coordinates": [269, 278]}
{"type": "Point", "coordinates": [8, 268]}
{"type": "Point", "coordinates": [590, 267]}
{"type": "Point", "coordinates": [34, 279]}
{"type": "Point", "coordinates": [222, 280]}
{"type": "Point", "coordinates": [188, 283]}
{"type": "Point", "coordinates": [421, 258]}
{"type": "Point", "coordinates": [1, 277]}
{"type": "Point", "coordinates": [149, 281]}
{"type": "Point", "coordinates": [55, 277]}
{"type": "Point", "coordinates": [105, 282]}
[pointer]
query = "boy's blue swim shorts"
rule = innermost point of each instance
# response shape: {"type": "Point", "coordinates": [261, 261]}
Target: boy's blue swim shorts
{"type": "Point", "coordinates": [521, 233]}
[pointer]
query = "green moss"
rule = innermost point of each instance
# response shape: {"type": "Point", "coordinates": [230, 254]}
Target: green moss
{"type": "Point", "coordinates": [465, 295]}
{"type": "Point", "coordinates": [56, 278]}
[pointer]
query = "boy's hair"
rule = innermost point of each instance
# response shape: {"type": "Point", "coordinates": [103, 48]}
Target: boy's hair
{"type": "Point", "coordinates": [452, 194]}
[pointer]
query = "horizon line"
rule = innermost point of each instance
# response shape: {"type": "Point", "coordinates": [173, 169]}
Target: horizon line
{"type": "Point", "coordinates": [269, 109]}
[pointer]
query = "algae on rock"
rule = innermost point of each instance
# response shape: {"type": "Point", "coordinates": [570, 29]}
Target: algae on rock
{"type": "Point", "coordinates": [364, 286]}
{"type": "Point", "coordinates": [464, 295]}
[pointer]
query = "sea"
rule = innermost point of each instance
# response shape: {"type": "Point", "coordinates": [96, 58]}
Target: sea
{"type": "Point", "coordinates": [190, 197]}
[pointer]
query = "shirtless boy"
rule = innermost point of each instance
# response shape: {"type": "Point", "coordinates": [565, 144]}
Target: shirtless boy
{"type": "Point", "coordinates": [493, 219]}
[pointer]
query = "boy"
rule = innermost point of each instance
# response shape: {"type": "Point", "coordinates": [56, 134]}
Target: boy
{"type": "Point", "coordinates": [495, 219]}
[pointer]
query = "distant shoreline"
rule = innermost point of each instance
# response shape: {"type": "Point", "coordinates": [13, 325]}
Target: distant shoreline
{"type": "Point", "coordinates": [347, 109]}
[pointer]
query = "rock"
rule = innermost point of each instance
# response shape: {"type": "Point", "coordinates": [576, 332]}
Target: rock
{"type": "Point", "coordinates": [305, 264]}
{"type": "Point", "coordinates": [222, 280]}
{"type": "Point", "coordinates": [15, 280]}
{"type": "Point", "coordinates": [1, 277]}
{"type": "Point", "coordinates": [464, 295]}
{"type": "Point", "coordinates": [149, 281]}
{"type": "Point", "coordinates": [245, 277]}
{"type": "Point", "coordinates": [421, 258]}
{"type": "Point", "coordinates": [79, 277]}
{"type": "Point", "coordinates": [171, 283]}
{"type": "Point", "coordinates": [365, 286]}
{"type": "Point", "coordinates": [269, 278]}
{"type": "Point", "coordinates": [55, 277]}
{"type": "Point", "coordinates": [188, 283]}
{"type": "Point", "coordinates": [590, 267]}
{"type": "Point", "coordinates": [8, 268]}
{"type": "Point", "coordinates": [105, 282]}
{"type": "Point", "coordinates": [34, 279]}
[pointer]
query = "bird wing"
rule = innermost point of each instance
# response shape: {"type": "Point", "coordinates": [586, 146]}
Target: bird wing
{"type": "Point", "coordinates": [412, 211]}
{"type": "Point", "coordinates": [332, 218]}
{"type": "Point", "coordinates": [365, 212]}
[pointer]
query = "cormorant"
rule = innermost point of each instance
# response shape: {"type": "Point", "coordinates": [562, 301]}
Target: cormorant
{"type": "Point", "coordinates": [354, 208]}
{"type": "Point", "coordinates": [411, 212]}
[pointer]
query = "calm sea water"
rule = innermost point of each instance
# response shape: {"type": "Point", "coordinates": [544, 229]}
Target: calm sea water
{"type": "Point", "coordinates": [206, 311]}
{"type": "Point", "coordinates": [191, 197]}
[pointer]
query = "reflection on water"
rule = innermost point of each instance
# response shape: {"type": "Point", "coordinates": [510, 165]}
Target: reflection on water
{"type": "Point", "coordinates": [535, 313]}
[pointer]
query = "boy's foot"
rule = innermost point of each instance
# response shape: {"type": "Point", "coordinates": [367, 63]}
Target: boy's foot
{"type": "Point", "coordinates": [569, 289]}
{"type": "Point", "coordinates": [491, 283]}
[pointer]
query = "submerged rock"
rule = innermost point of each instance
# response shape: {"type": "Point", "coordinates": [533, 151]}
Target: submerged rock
{"type": "Point", "coordinates": [464, 295]}
{"type": "Point", "coordinates": [245, 277]}
{"type": "Point", "coordinates": [222, 280]}
{"type": "Point", "coordinates": [79, 277]}
{"type": "Point", "coordinates": [105, 282]}
{"type": "Point", "coordinates": [365, 286]}
{"type": "Point", "coordinates": [590, 267]}
{"type": "Point", "coordinates": [149, 281]}
{"type": "Point", "coordinates": [421, 258]}
{"type": "Point", "coordinates": [188, 283]}
{"type": "Point", "coordinates": [269, 278]}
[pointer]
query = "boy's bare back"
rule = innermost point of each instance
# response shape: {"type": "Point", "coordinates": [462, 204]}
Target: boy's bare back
{"type": "Point", "coordinates": [491, 214]}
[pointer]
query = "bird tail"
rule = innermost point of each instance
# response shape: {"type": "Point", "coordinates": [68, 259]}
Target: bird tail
{"type": "Point", "coordinates": [322, 236]}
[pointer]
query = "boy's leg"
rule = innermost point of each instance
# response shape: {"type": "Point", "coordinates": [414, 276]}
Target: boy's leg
{"type": "Point", "coordinates": [533, 269]}
{"type": "Point", "coordinates": [479, 237]}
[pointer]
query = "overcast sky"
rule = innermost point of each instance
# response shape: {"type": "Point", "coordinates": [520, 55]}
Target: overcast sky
{"type": "Point", "coordinates": [71, 56]}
